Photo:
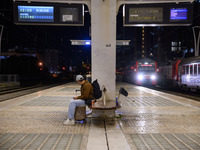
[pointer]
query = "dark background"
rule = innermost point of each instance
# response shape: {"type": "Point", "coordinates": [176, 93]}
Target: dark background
{"type": "Point", "coordinates": [38, 38]}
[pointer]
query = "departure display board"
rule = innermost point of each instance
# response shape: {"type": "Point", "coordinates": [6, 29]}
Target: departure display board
{"type": "Point", "coordinates": [148, 14]}
{"type": "Point", "coordinates": [178, 13]}
{"type": "Point", "coordinates": [158, 14]}
{"type": "Point", "coordinates": [69, 14]}
{"type": "Point", "coordinates": [48, 14]}
{"type": "Point", "coordinates": [35, 14]}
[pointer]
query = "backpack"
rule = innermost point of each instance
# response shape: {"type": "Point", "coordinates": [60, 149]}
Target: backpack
{"type": "Point", "coordinates": [97, 93]}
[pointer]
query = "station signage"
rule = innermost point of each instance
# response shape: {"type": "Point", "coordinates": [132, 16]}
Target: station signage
{"type": "Point", "coordinates": [158, 14]}
{"type": "Point", "coordinates": [48, 14]}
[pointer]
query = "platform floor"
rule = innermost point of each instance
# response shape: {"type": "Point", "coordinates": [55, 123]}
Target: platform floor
{"type": "Point", "coordinates": [149, 120]}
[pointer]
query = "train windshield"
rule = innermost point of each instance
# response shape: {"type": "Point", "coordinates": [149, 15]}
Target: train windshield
{"type": "Point", "coordinates": [146, 67]}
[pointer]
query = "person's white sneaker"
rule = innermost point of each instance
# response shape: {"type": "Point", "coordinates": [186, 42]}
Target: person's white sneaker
{"type": "Point", "coordinates": [69, 122]}
{"type": "Point", "coordinates": [89, 112]}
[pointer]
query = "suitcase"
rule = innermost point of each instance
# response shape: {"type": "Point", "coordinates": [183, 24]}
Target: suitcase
{"type": "Point", "coordinates": [80, 113]}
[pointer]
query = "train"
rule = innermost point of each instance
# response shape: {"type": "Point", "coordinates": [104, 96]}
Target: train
{"type": "Point", "coordinates": [168, 74]}
{"type": "Point", "coordinates": [181, 73]}
{"type": "Point", "coordinates": [141, 72]}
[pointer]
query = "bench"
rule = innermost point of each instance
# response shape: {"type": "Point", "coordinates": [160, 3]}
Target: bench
{"type": "Point", "coordinates": [110, 104]}
{"type": "Point", "coordinates": [80, 112]}
{"type": "Point", "coordinates": [101, 105]}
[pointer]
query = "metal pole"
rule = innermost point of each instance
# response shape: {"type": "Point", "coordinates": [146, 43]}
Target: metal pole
{"type": "Point", "coordinates": [195, 45]}
{"type": "Point", "coordinates": [196, 41]}
{"type": "Point", "coordinates": [0, 44]}
{"type": "Point", "coordinates": [197, 52]}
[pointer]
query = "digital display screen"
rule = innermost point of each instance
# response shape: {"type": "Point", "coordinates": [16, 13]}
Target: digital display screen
{"type": "Point", "coordinates": [178, 14]}
{"type": "Point", "coordinates": [35, 13]}
{"type": "Point", "coordinates": [146, 14]}
{"type": "Point", "coordinates": [69, 14]}
{"type": "Point", "coordinates": [42, 13]}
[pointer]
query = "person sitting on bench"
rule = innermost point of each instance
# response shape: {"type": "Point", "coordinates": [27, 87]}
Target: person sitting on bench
{"type": "Point", "coordinates": [83, 100]}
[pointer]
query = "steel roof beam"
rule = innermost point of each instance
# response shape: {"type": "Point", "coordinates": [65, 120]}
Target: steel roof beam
{"type": "Point", "coordinates": [122, 2]}
{"type": "Point", "coordinates": [87, 2]}
{"type": "Point", "coordinates": [119, 2]}
{"type": "Point", "coordinates": [151, 1]}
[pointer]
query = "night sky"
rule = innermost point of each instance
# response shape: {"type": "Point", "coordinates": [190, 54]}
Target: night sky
{"type": "Point", "coordinates": [38, 37]}
{"type": "Point", "coordinates": [58, 37]}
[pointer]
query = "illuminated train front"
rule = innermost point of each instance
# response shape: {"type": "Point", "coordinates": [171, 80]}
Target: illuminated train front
{"type": "Point", "coordinates": [143, 72]}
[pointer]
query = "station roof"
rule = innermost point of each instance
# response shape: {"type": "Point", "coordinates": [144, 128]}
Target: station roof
{"type": "Point", "coordinates": [120, 1]}
{"type": "Point", "coordinates": [154, 1]}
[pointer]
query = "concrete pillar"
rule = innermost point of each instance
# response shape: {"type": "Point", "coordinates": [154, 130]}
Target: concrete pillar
{"type": "Point", "coordinates": [103, 30]}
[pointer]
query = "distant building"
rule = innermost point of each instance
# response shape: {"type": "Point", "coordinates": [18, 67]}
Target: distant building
{"type": "Point", "coordinates": [13, 52]}
{"type": "Point", "coordinates": [51, 60]}
{"type": "Point", "coordinates": [50, 57]}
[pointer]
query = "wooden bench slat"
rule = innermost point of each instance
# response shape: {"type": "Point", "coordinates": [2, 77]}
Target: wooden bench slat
{"type": "Point", "coordinates": [110, 104]}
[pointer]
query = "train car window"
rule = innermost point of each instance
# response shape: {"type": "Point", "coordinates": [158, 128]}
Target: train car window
{"type": "Point", "coordinates": [199, 69]}
{"type": "Point", "coordinates": [195, 69]}
{"type": "Point", "coordinates": [146, 68]}
{"type": "Point", "coordinates": [183, 70]}
{"type": "Point", "coordinates": [191, 69]}
{"type": "Point", "coordinates": [187, 70]}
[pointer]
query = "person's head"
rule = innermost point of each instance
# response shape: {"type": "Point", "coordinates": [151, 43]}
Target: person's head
{"type": "Point", "coordinates": [80, 79]}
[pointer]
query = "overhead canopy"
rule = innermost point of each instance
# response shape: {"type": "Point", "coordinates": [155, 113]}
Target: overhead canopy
{"type": "Point", "coordinates": [119, 2]}
{"type": "Point", "coordinates": [152, 1]}
{"type": "Point", "coordinates": [123, 1]}
{"type": "Point", "coordinates": [57, 1]}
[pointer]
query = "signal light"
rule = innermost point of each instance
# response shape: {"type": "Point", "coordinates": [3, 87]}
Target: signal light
{"type": "Point", "coordinates": [40, 63]}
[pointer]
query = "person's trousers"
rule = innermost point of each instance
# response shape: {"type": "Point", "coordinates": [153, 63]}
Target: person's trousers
{"type": "Point", "coordinates": [72, 107]}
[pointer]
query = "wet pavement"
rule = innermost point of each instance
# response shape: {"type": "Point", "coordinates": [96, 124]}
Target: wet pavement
{"type": "Point", "coordinates": [147, 120]}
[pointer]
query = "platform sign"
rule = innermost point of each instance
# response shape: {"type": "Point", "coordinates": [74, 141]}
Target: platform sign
{"type": "Point", "coordinates": [178, 14]}
{"type": "Point", "coordinates": [48, 14]}
{"type": "Point", "coordinates": [158, 14]}
{"type": "Point", "coordinates": [147, 14]}
{"type": "Point", "coordinates": [35, 14]}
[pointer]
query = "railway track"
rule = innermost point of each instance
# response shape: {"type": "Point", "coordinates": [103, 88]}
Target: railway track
{"type": "Point", "coordinates": [13, 93]}
{"type": "Point", "coordinates": [16, 89]}
{"type": "Point", "coordinates": [183, 93]}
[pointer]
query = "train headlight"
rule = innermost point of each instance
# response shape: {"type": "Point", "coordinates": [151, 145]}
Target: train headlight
{"type": "Point", "coordinates": [140, 77]}
{"type": "Point", "coordinates": [153, 77]}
